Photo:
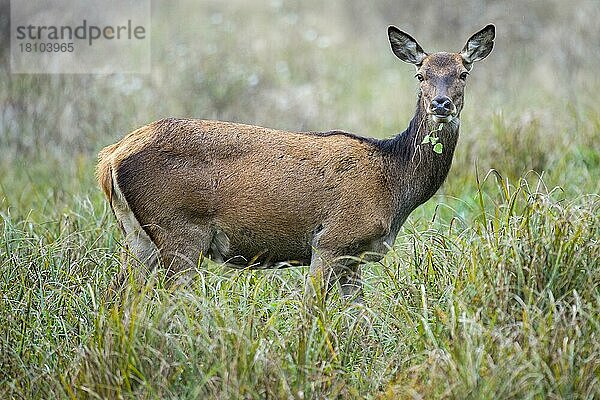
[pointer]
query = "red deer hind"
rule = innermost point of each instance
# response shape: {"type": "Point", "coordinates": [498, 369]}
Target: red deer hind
{"type": "Point", "coordinates": [262, 198]}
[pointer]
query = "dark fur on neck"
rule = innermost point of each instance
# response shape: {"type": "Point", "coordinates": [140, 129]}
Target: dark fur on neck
{"type": "Point", "coordinates": [416, 170]}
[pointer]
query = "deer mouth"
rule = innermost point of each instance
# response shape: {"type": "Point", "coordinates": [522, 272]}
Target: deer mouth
{"type": "Point", "coordinates": [443, 115]}
{"type": "Point", "coordinates": [442, 118]}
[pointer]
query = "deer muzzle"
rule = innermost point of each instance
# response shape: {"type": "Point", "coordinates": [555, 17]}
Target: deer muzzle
{"type": "Point", "coordinates": [442, 109]}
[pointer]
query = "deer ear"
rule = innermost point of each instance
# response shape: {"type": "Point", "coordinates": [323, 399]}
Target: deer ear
{"type": "Point", "coordinates": [405, 47]}
{"type": "Point", "coordinates": [479, 46]}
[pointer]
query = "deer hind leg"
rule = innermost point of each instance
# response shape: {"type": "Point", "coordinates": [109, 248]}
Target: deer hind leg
{"type": "Point", "coordinates": [183, 247]}
{"type": "Point", "coordinates": [137, 240]}
{"type": "Point", "coordinates": [138, 245]}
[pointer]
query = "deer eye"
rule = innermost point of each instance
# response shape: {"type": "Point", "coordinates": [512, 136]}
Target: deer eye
{"type": "Point", "coordinates": [464, 75]}
{"type": "Point", "coordinates": [420, 77]}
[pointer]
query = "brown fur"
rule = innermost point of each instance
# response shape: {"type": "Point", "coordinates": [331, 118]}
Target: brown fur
{"type": "Point", "coordinates": [111, 156]}
{"type": "Point", "coordinates": [217, 176]}
{"type": "Point", "coordinates": [104, 171]}
{"type": "Point", "coordinates": [258, 197]}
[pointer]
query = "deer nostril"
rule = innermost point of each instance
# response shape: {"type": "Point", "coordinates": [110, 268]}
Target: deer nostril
{"type": "Point", "coordinates": [441, 105]}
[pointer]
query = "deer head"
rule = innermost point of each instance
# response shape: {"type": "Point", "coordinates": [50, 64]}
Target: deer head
{"type": "Point", "coordinates": [442, 75]}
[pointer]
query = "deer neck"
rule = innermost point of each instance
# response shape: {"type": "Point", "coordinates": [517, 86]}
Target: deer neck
{"type": "Point", "coordinates": [416, 167]}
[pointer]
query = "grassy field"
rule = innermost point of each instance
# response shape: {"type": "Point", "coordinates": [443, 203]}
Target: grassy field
{"type": "Point", "coordinates": [492, 289]}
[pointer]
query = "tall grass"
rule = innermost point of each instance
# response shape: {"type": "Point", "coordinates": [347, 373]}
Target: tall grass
{"type": "Point", "coordinates": [490, 291]}
{"type": "Point", "coordinates": [499, 304]}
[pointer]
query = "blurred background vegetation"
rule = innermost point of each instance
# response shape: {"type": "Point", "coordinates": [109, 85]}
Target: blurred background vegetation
{"type": "Point", "coordinates": [521, 273]}
{"type": "Point", "coordinates": [327, 65]}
